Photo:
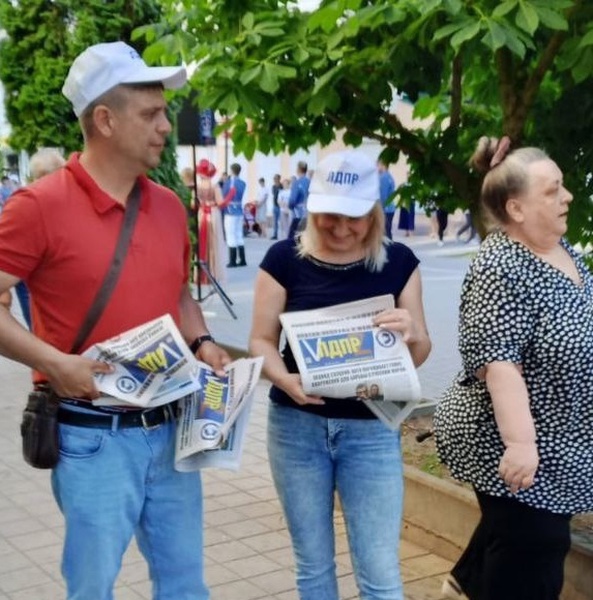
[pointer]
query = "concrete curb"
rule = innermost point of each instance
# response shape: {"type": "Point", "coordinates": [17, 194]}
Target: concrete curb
{"type": "Point", "coordinates": [441, 516]}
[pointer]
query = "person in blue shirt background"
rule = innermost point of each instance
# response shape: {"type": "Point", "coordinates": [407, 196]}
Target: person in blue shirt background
{"type": "Point", "coordinates": [6, 189]}
{"type": "Point", "coordinates": [386, 191]}
{"type": "Point", "coordinates": [233, 191]}
{"type": "Point", "coordinates": [297, 202]}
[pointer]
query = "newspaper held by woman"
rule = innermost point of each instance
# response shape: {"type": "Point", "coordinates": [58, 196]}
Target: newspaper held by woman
{"type": "Point", "coordinates": [340, 354]}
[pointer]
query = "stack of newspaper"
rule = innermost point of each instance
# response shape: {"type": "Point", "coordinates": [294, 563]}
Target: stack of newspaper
{"type": "Point", "coordinates": [153, 366]}
{"type": "Point", "coordinates": [340, 354]}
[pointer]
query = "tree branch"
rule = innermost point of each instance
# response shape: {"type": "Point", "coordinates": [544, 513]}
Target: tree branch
{"type": "Point", "coordinates": [506, 84]}
{"type": "Point", "coordinates": [516, 104]}
{"type": "Point", "coordinates": [545, 62]}
{"type": "Point", "coordinates": [456, 94]}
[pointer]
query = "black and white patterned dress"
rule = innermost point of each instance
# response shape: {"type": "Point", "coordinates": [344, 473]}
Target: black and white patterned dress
{"type": "Point", "coordinates": [518, 308]}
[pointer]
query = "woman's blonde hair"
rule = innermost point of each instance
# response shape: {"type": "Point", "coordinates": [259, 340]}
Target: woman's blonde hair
{"type": "Point", "coordinates": [44, 162]}
{"type": "Point", "coordinates": [375, 241]}
{"type": "Point", "coordinates": [505, 176]}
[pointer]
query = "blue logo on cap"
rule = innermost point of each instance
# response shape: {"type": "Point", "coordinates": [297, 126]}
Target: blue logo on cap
{"type": "Point", "coordinates": [342, 178]}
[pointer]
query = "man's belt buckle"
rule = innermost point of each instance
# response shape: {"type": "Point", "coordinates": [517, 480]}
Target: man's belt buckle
{"type": "Point", "coordinates": [147, 425]}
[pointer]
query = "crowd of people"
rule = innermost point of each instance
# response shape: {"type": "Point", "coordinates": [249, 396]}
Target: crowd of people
{"type": "Point", "coordinates": [278, 211]}
{"type": "Point", "coordinates": [515, 424]}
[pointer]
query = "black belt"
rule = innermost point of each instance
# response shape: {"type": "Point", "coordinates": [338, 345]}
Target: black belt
{"type": "Point", "coordinates": [148, 419]}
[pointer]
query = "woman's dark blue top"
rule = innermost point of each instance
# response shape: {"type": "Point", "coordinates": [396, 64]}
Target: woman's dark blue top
{"type": "Point", "coordinates": [310, 283]}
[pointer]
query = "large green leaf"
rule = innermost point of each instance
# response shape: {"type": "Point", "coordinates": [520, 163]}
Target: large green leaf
{"type": "Point", "coordinates": [587, 39]}
{"type": "Point", "coordinates": [504, 8]}
{"type": "Point", "coordinates": [527, 17]}
{"type": "Point", "coordinates": [465, 34]}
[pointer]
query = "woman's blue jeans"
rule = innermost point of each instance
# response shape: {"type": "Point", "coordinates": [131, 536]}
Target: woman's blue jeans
{"type": "Point", "coordinates": [311, 457]}
{"type": "Point", "coordinates": [112, 484]}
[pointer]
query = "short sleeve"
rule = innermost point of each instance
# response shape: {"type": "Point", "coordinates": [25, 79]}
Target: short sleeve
{"type": "Point", "coordinates": [402, 262]}
{"type": "Point", "coordinates": [496, 320]}
{"type": "Point", "coordinates": [23, 239]}
{"type": "Point", "coordinates": [278, 262]}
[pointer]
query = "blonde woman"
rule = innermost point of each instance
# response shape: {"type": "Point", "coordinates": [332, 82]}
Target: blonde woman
{"type": "Point", "coordinates": [318, 446]}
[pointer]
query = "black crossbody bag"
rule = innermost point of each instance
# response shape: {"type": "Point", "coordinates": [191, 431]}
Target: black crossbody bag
{"type": "Point", "coordinates": [39, 426]}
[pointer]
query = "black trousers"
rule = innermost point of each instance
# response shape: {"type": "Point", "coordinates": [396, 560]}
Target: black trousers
{"type": "Point", "coordinates": [443, 221]}
{"type": "Point", "coordinates": [516, 552]}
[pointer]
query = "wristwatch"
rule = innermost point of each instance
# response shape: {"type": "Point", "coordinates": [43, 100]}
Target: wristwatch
{"type": "Point", "coordinates": [195, 345]}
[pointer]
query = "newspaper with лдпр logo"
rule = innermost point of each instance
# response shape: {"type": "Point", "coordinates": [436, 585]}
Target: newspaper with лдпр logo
{"type": "Point", "coordinates": [340, 354]}
{"type": "Point", "coordinates": [212, 421]}
{"type": "Point", "coordinates": [152, 365]}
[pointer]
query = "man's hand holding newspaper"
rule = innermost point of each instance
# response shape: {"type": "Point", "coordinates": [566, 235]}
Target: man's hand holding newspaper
{"type": "Point", "coordinates": [340, 354]}
{"type": "Point", "coordinates": [153, 366]}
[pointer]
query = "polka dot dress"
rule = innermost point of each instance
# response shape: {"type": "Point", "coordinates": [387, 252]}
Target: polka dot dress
{"type": "Point", "coordinates": [518, 308]}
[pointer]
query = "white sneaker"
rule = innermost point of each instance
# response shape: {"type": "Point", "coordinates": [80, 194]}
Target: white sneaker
{"type": "Point", "coordinates": [452, 590]}
{"type": "Point", "coordinates": [440, 243]}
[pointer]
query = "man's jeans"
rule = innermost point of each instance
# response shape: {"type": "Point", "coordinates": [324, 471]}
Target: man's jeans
{"type": "Point", "coordinates": [112, 484]}
{"type": "Point", "coordinates": [311, 457]}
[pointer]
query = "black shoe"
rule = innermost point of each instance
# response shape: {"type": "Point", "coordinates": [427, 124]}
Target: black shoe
{"type": "Point", "coordinates": [232, 258]}
{"type": "Point", "coordinates": [241, 256]}
{"type": "Point", "coordinates": [274, 237]}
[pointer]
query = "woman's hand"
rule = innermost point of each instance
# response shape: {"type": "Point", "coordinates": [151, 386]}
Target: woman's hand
{"type": "Point", "coordinates": [518, 465]}
{"type": "Point", "coordinates": [291, 384]}
{"type": "Point", "coordinates": [398, 320]}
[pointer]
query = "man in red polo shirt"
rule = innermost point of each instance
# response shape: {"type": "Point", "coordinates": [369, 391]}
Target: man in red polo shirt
{"type": "Point", "coordinates": [115, 477]}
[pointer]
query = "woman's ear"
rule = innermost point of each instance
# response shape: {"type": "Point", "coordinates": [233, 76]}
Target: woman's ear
{"type": "Point", "coordinates": [514, 209]}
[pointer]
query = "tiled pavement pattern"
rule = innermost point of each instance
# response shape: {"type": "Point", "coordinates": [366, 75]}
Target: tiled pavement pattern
{"type": "Point", "coordinates": [248, 555]}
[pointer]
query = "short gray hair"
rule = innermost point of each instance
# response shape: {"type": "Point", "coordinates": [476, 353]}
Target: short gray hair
{"type": "Point", "coordinates": [44, 162]}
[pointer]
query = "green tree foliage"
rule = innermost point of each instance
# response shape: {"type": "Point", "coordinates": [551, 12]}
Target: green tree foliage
{"type": "Point", "coordinates": [42, 39]}
{"type": "Point", "coordinates": [287, 79]}
{"type": "Point", "coordinates": [32, 67]}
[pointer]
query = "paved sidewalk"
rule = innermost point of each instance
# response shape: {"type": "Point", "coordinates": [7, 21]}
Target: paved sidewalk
{"type": "Point", "coordinates": [248, 555]}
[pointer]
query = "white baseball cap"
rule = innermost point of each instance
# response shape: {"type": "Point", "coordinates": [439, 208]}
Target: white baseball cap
{"type": "Point", "coordinates": [344, 183]}
{"type": "Point", "coordinates": [103, 66]}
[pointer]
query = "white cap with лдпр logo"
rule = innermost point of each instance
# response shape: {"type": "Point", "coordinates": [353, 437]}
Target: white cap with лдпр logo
{"type": "Point", "coordinates": [344, 183]}
{"type": "Point", "coordinates": [103, 66]}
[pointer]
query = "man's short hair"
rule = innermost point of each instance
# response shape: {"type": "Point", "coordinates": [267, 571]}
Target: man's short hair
{"type": "Point", "coordinates": [116, 99]}
{"type": "Point", "coordinates": [235, 168]}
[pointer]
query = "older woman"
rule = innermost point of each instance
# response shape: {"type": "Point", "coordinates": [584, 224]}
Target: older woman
{"type": "Point", "coordinates": [44, 162]}
{"type": "Point", "coordinates": [319, 445]}
{"type": "Point", "coordinates": [517, 423]}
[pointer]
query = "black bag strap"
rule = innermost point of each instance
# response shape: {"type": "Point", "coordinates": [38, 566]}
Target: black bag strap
{"type": "Point", "coordinates": [111, 277]}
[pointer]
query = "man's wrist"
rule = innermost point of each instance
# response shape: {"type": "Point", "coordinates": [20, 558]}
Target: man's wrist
{"type": "Point", "coordinates": [197, 343]}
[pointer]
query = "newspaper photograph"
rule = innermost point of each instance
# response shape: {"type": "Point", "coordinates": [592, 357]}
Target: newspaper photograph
{"type": "Point", "coordinates": [340, 354]}
{"type": "Point", "coordinates": [152, 366]}
{"type": "Point", "coordinates": [213, 419]}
